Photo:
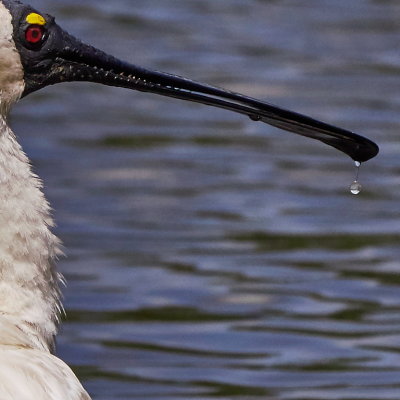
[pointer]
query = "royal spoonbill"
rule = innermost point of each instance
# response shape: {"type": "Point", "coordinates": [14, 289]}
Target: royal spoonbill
{"type": "Point", "coordinates": [35, 52]}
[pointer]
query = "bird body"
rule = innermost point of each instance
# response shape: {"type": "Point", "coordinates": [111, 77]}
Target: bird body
{"type": "Point", "coordinates": [30, 305]}
{"type": "Point", "coordinates": [36, 52]}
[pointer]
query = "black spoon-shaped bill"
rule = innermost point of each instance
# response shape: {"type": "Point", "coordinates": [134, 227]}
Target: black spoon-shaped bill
{"type": "Point", "coordinates": [59, 57]}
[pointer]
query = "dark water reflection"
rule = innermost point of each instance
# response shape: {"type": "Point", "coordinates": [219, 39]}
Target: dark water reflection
{"type": "Point", "coordinates": [209, 256]}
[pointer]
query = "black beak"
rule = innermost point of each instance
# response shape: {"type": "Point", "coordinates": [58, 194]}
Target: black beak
{"type": "Point", "coordinates": [67, 59]}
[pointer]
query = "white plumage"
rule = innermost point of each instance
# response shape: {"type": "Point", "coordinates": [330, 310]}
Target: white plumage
{"type": "Point", "coordinates": [31, 374]}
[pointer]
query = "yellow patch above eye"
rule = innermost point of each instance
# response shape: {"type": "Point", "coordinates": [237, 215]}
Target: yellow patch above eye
{"type": "Point", "coordinates": [35, 19]}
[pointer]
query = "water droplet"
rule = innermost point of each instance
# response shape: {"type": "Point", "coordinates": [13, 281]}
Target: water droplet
{"type": "Point", "coordinates": [355, 187]}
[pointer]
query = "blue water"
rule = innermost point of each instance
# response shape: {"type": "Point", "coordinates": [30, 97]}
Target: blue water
{"type": "Point", "coordinates": [209, 256]}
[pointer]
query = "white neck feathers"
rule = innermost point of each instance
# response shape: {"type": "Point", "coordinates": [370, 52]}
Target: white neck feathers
{"type": "Point", "coordinates": [29, 284]}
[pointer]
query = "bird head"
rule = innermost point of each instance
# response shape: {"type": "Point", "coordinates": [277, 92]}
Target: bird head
{"type": "Point", "coordinates": [36, 52]}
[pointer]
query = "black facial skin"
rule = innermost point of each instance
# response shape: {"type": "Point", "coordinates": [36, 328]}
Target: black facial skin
{"type": "Point", "coordinates": [60, 57]}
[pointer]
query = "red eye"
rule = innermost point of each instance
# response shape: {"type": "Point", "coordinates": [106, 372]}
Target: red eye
{"type": "Point", "coordinates": [34, 34]}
